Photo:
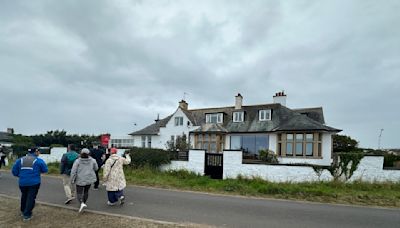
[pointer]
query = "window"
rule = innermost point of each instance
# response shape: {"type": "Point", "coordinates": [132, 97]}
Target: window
{"type": "Point", "coordinates": [300, 144]}
{"type": "Point", "coordinates": [211, 142]}
{"type": "Point", "coordinates": [238, 116]}
{"type": "Point", "coordinates": [214, 118]}
{"type": "Point", "coordinates": [178, 121]}
{"type": "Point", "coordinates": [251, 144]}
{"type": "Point", "coordinates": [289, 144]}
{"type": "Point", "coordinates": [143, 141]}
{"type": "Point", "coordinates": [264, 115]}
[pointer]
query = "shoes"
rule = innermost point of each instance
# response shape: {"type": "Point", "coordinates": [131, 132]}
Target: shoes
{"type": "Point", "coordinates": [27, 218]}
{"type": "Point", "coordinates": [121, 200]}
{"type": "Point", "coordinates": [111, 204]}
{"type": "Point", "coordinates": [69, 200]}
{"type": "Point", "coordinates": [83, 206]}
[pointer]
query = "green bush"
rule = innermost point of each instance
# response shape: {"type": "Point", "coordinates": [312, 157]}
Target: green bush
{"type": "Point", "coordinates": [148, 157]}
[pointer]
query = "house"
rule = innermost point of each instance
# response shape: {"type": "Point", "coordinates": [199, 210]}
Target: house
{"type": "Point", "coordinates": [6, 137]}
{"type": "Point", "coordinates": [294, 135]}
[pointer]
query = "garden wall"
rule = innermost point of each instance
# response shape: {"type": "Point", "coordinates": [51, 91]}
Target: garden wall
{"type": "Point", "coordinates": [370, 169]}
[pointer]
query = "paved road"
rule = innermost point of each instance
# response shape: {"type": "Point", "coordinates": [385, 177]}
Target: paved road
{"type": "Point", "coordinates": [228, 211]}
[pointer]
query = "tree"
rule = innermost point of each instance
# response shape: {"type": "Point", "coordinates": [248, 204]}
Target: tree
{"type": "Point", "coordinates": [344, 143]}
{"type": "Point", "coordinates": [21, 144]}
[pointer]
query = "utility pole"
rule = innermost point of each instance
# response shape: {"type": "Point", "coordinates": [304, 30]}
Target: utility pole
{"type": "Point", "coordinates": [379, 139]}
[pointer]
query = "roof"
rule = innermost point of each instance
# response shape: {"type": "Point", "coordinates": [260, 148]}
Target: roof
{"type": "Point", "coordinates": [154, 128]}
{"type": "Point", "coordinates": [5, 137]}
{"type": "Point", "coordinates": [283, 119]}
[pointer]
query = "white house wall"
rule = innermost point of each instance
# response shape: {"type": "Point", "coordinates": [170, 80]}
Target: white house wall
{"type": "Point", "coordinates": [194, 164]}
{"type": "Point", "coordinates": [273, 142]}
{"type": "Point", "coordinates": [171, 129]}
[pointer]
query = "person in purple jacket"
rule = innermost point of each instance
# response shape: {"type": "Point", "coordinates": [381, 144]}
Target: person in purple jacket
{"type": "Point", "coordinates": [28, 169]}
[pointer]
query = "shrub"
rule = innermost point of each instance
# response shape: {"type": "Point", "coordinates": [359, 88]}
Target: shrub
{"type": "Point", "coordinates": [154, 158]}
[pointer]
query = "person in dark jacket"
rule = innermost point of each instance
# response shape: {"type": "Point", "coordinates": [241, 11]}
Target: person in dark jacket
{"type": "Point", "coordinates": [99, 155]}
{"type": "Point", "coordinates": [67, 161]}
{"type": "Point", "coordinates": [28, 169]}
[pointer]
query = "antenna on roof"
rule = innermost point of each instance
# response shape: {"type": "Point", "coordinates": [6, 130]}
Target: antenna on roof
{"type": "Point", "coordinates": [184, 96]}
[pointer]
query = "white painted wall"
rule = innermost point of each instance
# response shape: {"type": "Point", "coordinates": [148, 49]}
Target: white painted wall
{"type": "Point", "coordinates": [55, 154]}
{"type": "Point", "coordinates": [195, 163]}
{"type": "Point", "coordinates": [233, 167]}
{"type": "Point", "coordinates": [273, 142]}
{"type": "Point", "coordinates": [370, 169]}
{"type": "Point", "coordinates": [171, 129]}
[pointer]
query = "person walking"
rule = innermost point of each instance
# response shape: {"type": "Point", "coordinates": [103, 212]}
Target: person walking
{"type": "Point", "coordinates": [28, 169]}
{"type": "Point", "coordinates": [2, 157]}
{"type": "Point", "coordinates": [83, 175]}
{"type": "Point", "coordinates": [99, 156]}
{"type": "Point", "coordinates": [67, 161]}
{"type": "Point", "coordinates": [114, 177]}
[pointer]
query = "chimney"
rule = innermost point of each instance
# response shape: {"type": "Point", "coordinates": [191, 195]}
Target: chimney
{"type": "Point", "coordinates": [183, 105]}
{"type": "Point", "coordinates": [238, 101]}
{"type": "Point", "coordinates": [10, 131]}
{"type": "Point", "coordinates": [280, 97]}
{"type": "Point", "coordinates": [158, 117]}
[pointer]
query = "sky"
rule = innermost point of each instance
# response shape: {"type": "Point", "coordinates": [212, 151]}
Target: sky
{"type": "Point", "coordinates": [92, 67]}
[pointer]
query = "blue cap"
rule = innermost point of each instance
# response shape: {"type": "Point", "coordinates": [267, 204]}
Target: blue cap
{"type": "Point", "coordinates": [33, 150]}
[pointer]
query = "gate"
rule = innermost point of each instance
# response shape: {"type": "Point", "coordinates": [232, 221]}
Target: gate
{"type": "Point", "coordinates": [213, 165]}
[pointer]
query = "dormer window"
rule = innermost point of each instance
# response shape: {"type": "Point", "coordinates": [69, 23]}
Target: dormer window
{"type": "Point", "coordinates": [264, 115]}
{"type": "Point", "coordinates": [238, 116]}
{"type": "Point", "coordinates": [214, 118]}
{"type": "Point", "coordinates": [178, 121]}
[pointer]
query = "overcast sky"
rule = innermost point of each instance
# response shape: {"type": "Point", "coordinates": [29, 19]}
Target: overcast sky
{"type": "Point", "coordinates": [101, 66]}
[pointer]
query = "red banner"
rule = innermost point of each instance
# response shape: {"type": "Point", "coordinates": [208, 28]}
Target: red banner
{"type": "Point", "coordinates": [105, 139]}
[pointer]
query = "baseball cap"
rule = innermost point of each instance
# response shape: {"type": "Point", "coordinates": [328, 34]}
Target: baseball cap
{"type": "Point", "coordinates": [85, 151]}
{"type": "Point", "coordinates": [113, 150]}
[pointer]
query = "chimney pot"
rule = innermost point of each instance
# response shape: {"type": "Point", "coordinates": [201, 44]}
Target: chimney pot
{"type": "Point", "coordinates": [238, 101]}
{"type": "Point", "coordinates": [183, 105]}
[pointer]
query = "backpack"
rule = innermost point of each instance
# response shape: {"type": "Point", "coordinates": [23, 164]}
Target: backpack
{"type": "Point", "coordinates": [71, 157]}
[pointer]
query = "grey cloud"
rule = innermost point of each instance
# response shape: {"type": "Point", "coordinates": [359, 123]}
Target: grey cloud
{"type": "Point", "coordinates": [99, 66]}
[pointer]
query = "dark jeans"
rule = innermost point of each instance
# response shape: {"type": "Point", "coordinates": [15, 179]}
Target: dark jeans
{"type": "Point", "coordinates": [96, 184]}
{"type": "Point", "coordinates": [28, 197]}
{"type": "Point", "coordinates": [82, 192]}
{"type": "Point", "coordinates": [113, 196]}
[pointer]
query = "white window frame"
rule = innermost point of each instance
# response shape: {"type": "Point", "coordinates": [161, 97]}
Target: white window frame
{"type": "Point", "coordinates": [238, 117]}
{"type": "Point", "coordinates": [179, 121]}
{"type": "Point", "coordinates": [217, 115]}
{"type": "Point", "coordinates": [262, 114]}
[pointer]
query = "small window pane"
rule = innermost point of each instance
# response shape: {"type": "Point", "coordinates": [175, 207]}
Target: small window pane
{"type": "Point", "coordinates": [236, 142]}
{"type": "Point", "coordinates": [299, 137]}
{"type": "Point", "coordinates": [289, 149]}
{"type": "Point", "coordinates": [299, 148]}
{"type": "Point", "coordinates": [309, 137]}
{"type": "Point", "coordinates": [200, 137]}
{"type": "Point", "coordinates": [309, 149]}
{"type": "Point", "coordinates": [289, 137]}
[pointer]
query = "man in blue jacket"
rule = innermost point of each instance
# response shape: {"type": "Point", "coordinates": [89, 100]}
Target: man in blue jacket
{"type": "Point", "coordinates": [28, 169]}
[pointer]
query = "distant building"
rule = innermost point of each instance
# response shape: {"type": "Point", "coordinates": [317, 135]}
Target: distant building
{"type": "Point", "coordinates": [6, 137]}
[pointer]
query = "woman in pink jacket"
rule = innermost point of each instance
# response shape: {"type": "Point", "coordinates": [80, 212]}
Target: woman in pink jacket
{"type": "Point", "coordinates": [114, 177]}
